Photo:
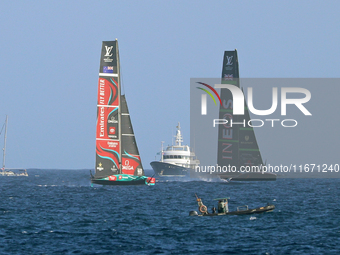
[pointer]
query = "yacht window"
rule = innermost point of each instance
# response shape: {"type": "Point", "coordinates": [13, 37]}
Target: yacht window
{"type": "Point", "coordinates": [179, 156]}
{"type": "Point", "coordinates": [171, 156]}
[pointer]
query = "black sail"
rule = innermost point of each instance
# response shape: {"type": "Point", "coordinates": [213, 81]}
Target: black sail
{"type": "Point", "coordinates": [131, 162]}
{"type": "Point", "coordinates": [228, 137]}
{"type": "Point", "coordinates": [237, 145]}
{"type": "Point", "coordinates": [249, 150]}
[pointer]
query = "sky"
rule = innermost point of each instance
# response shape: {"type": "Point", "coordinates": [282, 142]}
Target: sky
{"type": "Point", "coordinates": [50, 52]}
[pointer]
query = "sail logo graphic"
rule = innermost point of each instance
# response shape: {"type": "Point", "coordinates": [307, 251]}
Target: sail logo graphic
{"type": "Point", "coordinates": [228, 77]}
{"type": "Point", "coordinates": [107, 69]}
{"type": "Point", "coordinates": [229, 59]}
{"type": "Point", "coordinates": [127, 165]}
{"type": "Point", "coordinates": [112, 120]}
{"type": "Point", "coordinates": [112, 130]}
{"type": "Point", "coordinates": [108, 54]}
{"type": "Point", "coordinates": [108, 51]}
{"type": "Point", "coordinates": [112, 178]}
{"type": "Point", "coordinates": [139, 171]}
{"type": "Point", "coordinates": [229, 64]}
{"type": "Point", "coordinates": [100, 167]}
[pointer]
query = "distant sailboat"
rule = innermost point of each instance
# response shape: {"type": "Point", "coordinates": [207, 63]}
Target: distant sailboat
{"type": "Point", "coordinates": [7, 171]}
{"type": "Point", "coordinates": [237, 145]}
{"type": "Point", "coordinates": [117, 157]}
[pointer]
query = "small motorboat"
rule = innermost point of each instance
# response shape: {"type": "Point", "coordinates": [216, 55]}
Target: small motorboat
{"type": "Point", "coordinates": [224, 210]}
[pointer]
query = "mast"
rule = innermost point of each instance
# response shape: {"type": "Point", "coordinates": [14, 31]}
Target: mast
{"type": "Point", "coordinates": [162, 152]}
{"type": "Point", "coordinates": [4, 149]}
{"type": "Point", "coordinates": [119, 109]}
{"type": "Point", "coordinates": [178, 136]}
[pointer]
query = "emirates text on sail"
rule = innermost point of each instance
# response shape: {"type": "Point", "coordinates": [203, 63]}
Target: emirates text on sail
{"type": "Point", "coordinates": [102, 102]}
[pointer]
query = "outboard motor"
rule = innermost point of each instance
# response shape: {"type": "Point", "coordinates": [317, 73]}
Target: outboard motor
{"type": "Point", "coordinates": [193, 213]}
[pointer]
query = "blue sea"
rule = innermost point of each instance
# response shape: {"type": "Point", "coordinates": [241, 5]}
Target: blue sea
{"type": "Point", "coordinates": [58, 212]}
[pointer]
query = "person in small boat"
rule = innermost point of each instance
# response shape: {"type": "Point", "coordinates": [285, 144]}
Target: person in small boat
{"type": "Point", "coordinates": [220, 206]}
{"type": "Point", "coordinates": [213, 209]}
{"type": "Point", "coordinates": [226, 208]}
{"type": "Point", "coordinates": [223, 206]}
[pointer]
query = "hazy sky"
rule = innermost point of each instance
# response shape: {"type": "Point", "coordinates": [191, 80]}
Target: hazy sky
{"type": "Point", "coordinates": [50, 52]}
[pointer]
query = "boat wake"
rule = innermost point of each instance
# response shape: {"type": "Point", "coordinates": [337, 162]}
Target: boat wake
{"type": "Point", "coordinates": [188, 179]}
{"type": "Point", "coordinates": [45, 185]}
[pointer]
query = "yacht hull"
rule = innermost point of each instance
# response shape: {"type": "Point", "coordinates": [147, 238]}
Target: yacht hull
{"type": "Point", "coordinates": [162, 169]}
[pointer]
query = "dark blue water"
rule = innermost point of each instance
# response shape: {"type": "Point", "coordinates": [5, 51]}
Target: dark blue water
{"type": "Point", "coordinates": [57, 212]}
